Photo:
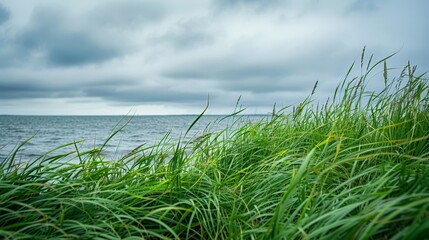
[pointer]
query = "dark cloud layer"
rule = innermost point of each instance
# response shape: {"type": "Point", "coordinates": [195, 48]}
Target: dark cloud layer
{"type": "Point", "coordinates": [122, 91]}
{"type": "Point", "coordinates": [4, 14]}
{"type": "Point", "coordinates": [31, 88]}
{"type": "Point", "coordinates": [49, 34]}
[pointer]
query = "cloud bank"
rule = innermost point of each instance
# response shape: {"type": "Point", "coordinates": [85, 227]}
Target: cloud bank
{"type": "Point", "coordinates": [161, 57]}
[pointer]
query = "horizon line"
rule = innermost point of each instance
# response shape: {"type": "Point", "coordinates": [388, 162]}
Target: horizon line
{"type": "Point", "coordinates": [125, 115]}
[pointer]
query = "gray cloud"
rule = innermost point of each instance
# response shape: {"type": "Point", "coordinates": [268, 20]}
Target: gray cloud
{"type": "Point", "coordinates": [267, 85]}
{"type": "Point", "coordinates": [232, 2]}
{"type": "Point", "coordinates": [8, 54]}
{"type": "Point", "coordinates": [188, 34]}
{"type": "Point", "coordinates": [20, 91]}
{"type": "Point", "coordinates": [143, 94]}
{"type": "Point", "coordinates": [4, 14]}
{"type": "Point", "coordinates": [50, 35]}
{"type": "Point", "coordinates": [30, 85]}
{"type": "Point", "coordinates": [364, 6]}
{"type": "Point", "coordinates": [128, 13]}
{"type": "Point", "coordinates": [228, 76]}
{"type": "Point", "coordinates": [258, 4]}
{"type": "Point", "coordinates": [16, 88]}
{"type": "Point", "coordinates": [120, 90]}
{"type": "Point", "coordinates": [227, 71]}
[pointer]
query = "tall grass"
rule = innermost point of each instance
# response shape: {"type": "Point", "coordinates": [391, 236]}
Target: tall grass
{"type": "Point", "coordinates": [355, 167]}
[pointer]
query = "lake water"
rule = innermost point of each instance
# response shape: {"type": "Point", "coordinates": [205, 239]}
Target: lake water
{"type": "Point", "coordinates": [49, 132]}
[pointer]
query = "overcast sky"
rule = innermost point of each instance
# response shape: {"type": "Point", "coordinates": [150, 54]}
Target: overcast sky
{"type": "Point", "coordinates": [167, 57]}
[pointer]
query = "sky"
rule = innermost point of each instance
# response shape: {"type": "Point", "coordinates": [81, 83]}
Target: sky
{"type": "Point", "coordinates": [105, 57]}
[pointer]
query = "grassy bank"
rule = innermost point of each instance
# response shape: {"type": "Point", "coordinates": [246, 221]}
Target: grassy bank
{"type": "Point", "coordinates": [355, 167]}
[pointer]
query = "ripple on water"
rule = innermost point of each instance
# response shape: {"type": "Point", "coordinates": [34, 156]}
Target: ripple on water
{"type": "Point", "coordinates": [50, 132]}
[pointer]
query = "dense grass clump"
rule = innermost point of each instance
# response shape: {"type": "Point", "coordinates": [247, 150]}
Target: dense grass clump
{"type": "Point", "coordinates": [355, 167]}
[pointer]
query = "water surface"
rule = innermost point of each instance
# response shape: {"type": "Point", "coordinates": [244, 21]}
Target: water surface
{"type": "Point", "coordinates": [49, 132]}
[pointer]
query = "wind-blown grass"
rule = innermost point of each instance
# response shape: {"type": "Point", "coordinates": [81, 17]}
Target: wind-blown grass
{"type": "Point", "coordinates": [355, 167]}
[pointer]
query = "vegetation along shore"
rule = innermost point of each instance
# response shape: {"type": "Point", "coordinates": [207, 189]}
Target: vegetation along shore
{"type": "Point", "coordinates": [353, 167]}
